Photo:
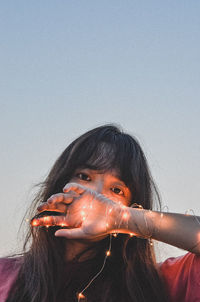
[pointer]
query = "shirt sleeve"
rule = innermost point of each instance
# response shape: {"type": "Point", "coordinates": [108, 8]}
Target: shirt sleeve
{"type": "Point", "coordinates": [9, 268]}
{"type": "Point", "coordinates": [182, 277]}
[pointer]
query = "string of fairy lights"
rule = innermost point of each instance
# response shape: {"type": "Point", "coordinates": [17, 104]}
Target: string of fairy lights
{"type": "Point", "coordinates": [81, 295]}
{"type": "Point", "coordinates": [48, 221]}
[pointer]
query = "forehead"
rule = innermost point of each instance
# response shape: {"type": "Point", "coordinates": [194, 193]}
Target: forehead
{"type": "Point", "coordinates": [105, 157]}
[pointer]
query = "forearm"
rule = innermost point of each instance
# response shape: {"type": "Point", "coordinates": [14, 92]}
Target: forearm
{"type": "Point", "coordinates": [182, 231]}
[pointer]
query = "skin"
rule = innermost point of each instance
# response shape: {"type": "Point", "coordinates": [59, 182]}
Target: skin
{"type": "Point", "coordinates": [91, 193]}
{"type": "Point", "coordinates": [95, 204]}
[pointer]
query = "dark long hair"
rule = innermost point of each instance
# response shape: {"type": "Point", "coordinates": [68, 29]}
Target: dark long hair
{"type": "Point", "coordinates": [131, 273]}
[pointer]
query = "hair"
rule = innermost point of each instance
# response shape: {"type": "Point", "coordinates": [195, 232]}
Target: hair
{"type": "Point", "coordinates": [130, 274]}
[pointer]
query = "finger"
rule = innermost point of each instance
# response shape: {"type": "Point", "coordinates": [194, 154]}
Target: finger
{"type": "Point", "coordinates": [54, 200]}
{"type": "Point", "coordinates": [74, 187]}
{"type": "Point", "coordinates": [76, 233]}
{"type": "Point", "coordinates": [59, 207]}
{"type": "Point", "coordinates": [50, 221]}
{"type": "Point", "coordinates": [62, 197]}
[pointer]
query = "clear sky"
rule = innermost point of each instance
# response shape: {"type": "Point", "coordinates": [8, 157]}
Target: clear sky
{"type": "Point", "coordinates": [68, 66]}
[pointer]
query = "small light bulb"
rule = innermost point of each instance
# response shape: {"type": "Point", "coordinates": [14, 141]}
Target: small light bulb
{"type": "Point", "coordinates": [108, 253]}
{"type": "Point", "coordinates": [47, 218]}
{"type": "Point", "coordinates": [81, 296]}
{"type": "Point", "coordinates": [125, 215]}
{"type": "Point", "coordinates": [34, 223]}
{"type": "Point", "coordinates": [131, 234]}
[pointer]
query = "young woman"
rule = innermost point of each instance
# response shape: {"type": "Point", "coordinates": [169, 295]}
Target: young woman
{"type": "Point", "coordinates": [90, 238]}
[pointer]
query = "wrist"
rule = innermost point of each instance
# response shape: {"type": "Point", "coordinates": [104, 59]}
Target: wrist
{"type": "Point", "coordinates": [120, 219]}
{"type": "Point", "coordinates": [141, 223]}
{"type": "Point", "coordinates": [132, 221]}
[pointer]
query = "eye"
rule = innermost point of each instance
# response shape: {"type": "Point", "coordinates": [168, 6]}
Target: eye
{"type": "Point", "coordinates": [117, 191]}
{"type": "Point", "coordinates": [83, 176]}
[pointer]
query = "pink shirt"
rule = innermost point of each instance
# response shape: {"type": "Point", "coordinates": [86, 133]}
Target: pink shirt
{"type": "Point", "coordinates": [181, 276]}
{"type": "Point", "coordinates": [9, 268]}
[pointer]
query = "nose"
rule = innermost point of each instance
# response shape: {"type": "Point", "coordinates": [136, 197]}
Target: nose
{"type": "Point", "coordinates": [98, 186]}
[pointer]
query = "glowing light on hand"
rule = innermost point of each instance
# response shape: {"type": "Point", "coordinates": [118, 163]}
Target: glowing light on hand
{"type": "Point", "coordinates": [47, 219]}
{"type": "Point", "coordinates": [125, 215]}
{"type": "Point", "coordinates": [34, 223]}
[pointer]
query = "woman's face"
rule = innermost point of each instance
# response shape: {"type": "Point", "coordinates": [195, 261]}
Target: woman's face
{"type": "Point", "coordinates": [107, 183]}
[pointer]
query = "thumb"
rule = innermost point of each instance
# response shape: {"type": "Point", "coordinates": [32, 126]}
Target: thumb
{"type": "Point", "coordinates": [76, 233]}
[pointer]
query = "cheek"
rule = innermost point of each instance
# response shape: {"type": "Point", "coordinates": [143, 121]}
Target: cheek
{"type": "Point", "coordinates": [73, 180]}
{"type": "Point", "coordinates": [81, 182]}
{"type": "Point", "coordinates": [129, 197]}
{"type": "Point", "coordinates": [118, 199]}
{"type": "Point", "coordinates": [76, 180]}
{"type": "Point", "coordinates": [126, 202]}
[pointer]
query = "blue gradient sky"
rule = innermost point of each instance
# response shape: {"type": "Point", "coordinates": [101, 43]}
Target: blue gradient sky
{"type": "Point", "coordinates": [68, 66]}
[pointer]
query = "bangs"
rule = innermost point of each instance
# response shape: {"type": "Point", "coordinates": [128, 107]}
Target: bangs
{"type": "Point", "coordinates": [106, 148]}
{"type": "Point", "coordinates": [104, 155]}
{"type": "Point", "coordinates": [103, 158]}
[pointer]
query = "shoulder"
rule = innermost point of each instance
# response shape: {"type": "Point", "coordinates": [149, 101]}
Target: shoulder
{"type": "Point", "coordinates": [180, 266]}
{"type": "Point", "coordinates": [182, 277]}
{"type": "Point", "coordinates": [9, 268]}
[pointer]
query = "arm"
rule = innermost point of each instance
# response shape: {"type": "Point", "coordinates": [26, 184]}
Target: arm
{"type": "Point", "coordinates": [182, 231]}
{"type": "Point", "coordinates": [88, 215]}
